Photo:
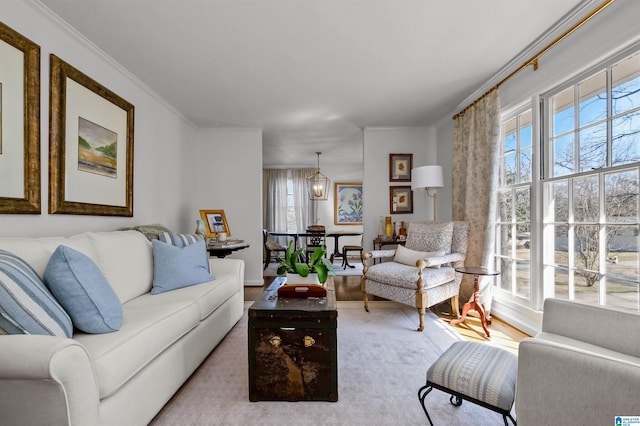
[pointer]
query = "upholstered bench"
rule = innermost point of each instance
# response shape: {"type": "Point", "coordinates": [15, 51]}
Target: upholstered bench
{"type": "Point", "coordinates": [477, 372]}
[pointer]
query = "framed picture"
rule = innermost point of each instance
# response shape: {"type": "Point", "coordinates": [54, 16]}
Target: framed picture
{"type": "Point", "coordinates": [347, 204]}
{"type": "Point", "coordinates": [216, 222]}
{"type": "Point", "coordinates": [90, 146]}
{"type": "Point", "coordinates": [400, 167]}
{"type": "Point", "coordinates": [19, 123]}
{"type": "Point", "coordinates": [400, 200]}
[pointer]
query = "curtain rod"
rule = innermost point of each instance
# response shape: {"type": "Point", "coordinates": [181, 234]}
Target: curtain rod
{"type": "Point", "coordinates": [534, 59]}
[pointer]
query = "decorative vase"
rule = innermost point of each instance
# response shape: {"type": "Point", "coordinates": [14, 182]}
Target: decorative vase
{"type": "Point", "coordinates": [403, 231]}
{"type": "Point", "coordinates": [201, 229]}
{"type": "Point", "coordinates": [389, 228]}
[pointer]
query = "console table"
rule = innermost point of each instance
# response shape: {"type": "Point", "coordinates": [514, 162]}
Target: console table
{"type": "Point", "coordinates": [223, 251]}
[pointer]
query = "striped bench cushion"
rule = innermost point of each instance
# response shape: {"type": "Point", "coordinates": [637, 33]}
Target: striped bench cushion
{"type": "Point", "coordinates": [26, 305]}
{"type": "Point", "coordinates": [479, 371]}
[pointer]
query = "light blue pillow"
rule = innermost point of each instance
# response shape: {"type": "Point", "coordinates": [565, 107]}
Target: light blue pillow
{"type": "Point", "coordinates": [183, 240]}
{"type": "Point", "coordinates": [177, 267]}
{"type": "Point", "coordinates": [78, 284]}
{"type": "Point", "coordinates": [26, 306]}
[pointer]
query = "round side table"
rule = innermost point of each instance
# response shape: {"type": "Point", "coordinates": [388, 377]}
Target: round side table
{"type": "Point", "coordinates": [475, 303]}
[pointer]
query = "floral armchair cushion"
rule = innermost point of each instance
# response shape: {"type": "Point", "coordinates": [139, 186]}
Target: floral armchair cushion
{"type": "Point", "coordinates": [430, 236]}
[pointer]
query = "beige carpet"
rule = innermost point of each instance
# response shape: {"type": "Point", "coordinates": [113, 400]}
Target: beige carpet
{"type": "Point", "coordinates": [382, 362]}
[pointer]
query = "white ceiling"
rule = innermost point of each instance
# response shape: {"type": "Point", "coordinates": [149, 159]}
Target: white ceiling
{"type": "Point", "coordinates": [312, 73]}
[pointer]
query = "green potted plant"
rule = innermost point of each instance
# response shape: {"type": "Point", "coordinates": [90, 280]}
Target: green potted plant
{"type": "Point", "coordinates": [317, 264]}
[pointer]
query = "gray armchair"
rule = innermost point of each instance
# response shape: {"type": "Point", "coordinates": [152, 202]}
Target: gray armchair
{"type": "Point", "coordinates": [423, 275]}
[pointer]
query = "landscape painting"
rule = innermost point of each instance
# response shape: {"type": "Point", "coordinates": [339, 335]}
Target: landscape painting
{"type": "Point", "coordinates": [97, 149]}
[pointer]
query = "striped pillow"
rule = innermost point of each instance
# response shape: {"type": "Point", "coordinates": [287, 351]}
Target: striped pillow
{"type": "Point", "coordinates": [183, 240]}
{"type": "Point", "coordinates": [179, 240]}
{"type": "Point", "coordinates": [26, 306]}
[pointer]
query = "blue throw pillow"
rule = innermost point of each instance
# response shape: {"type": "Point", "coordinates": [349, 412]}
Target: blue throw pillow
{"type": "Point", "coordinates": [183, 240]}
{"type": "Point", "coordinates": [78, 284]}
{"type": "Point", "coordinates": [26, 306]}
{"type": "Point", "coordinates": [177, 267]}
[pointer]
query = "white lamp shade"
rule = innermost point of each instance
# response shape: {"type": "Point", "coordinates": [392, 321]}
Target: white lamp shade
{"type": "Point", "coordinates": [426, 177]}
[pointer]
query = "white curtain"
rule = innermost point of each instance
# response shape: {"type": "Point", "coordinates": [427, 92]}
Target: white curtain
{"type": "Point", "coordinates": [476, 145]}
{"type": "Point", "coordinates": [302, 206]}
{"type": "Point", "coordinates": [275, 200]}
{"type": "Point", "coordinates": [275, 205]}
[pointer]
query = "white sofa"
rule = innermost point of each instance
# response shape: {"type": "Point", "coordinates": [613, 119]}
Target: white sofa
{"type": "Point", "coordinates": [583, 368]}
{"type": "Point", "coordinates": [124, 377]}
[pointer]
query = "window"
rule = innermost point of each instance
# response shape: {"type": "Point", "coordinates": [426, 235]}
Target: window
{"type": "Point", "coordinates": [590, 193]}
{"type": "Point", "coordinates": [513, 230]}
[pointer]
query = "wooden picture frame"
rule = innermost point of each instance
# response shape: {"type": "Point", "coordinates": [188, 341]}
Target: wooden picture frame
{"type": "Point", "coordinates": [400, 166]}
{"type": "Point", "coordinates": [216, 222]}
{"type": "Point", "coordinates": [347, 203]}
{"type": "Point", "coordinates": [90, 145]}
{"type": "Point", "coordinates": [19, 124]}
{"type": "Point", "coordinates": [400, 200]}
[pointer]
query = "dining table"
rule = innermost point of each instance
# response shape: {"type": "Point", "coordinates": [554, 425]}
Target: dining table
{"type": "Point", "coordinates": [336, 235]}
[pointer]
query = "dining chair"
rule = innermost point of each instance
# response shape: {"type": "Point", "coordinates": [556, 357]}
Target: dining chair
{"type": "Point", "coordinates": [314, 238]}
{"type": "Point", "coordinates": [270, 245]}
{"type": "Point", "coordinates": [351, 248]}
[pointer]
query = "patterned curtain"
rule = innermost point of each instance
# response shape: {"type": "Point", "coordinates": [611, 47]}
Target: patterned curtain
{"type": "Point", "coordinates": [476, 145]}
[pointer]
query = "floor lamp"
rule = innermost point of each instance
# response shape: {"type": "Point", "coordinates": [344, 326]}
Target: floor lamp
{"type": "Point", "coordinates": [427, 178]}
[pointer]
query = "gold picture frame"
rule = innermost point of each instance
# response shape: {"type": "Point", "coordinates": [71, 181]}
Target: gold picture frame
{"type": "Point", "coordinates": [24, 197]}
{"type": "Point", "coordinates": [90, 145]}
{"type": "Point", "coordinates": [347, 203]}
{"type": "Point", "coordinates": [216, 222]}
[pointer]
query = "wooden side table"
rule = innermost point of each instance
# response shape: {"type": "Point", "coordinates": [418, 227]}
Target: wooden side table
{"type": "Point", "coordinates": [475, 303]}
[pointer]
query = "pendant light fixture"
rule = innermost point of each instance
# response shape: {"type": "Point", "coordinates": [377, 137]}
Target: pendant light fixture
{"type": "Point", "coordinates": [318, 184]}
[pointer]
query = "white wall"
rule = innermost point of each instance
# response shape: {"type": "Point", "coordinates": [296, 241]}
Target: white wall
{"type": "Point", "coordinates": [164, 143]}
{"type": "Point", "coordinates": [230, 178]}
{"type": "Point", "coordinates": [378, 144]}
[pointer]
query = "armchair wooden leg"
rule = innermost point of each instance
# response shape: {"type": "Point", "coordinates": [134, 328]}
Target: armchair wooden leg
{"type": "Point", "coordinates": [366, 301]}
{"type": "Point", "coordinates": [455, 308]}
{"type": "Point", "coordinates": [421, 315]}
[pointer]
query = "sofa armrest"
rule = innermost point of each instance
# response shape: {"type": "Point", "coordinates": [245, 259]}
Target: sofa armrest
{"type": "Point", "coordinates": [46, 380]}
{"type": "Point", "coordinates": [234, 267]}
{"type": "Point", "coordinates": [559, 383]}
{"type": "Point", "coordinates": [610, 328]}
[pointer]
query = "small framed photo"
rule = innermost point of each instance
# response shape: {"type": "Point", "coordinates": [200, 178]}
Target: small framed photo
{"type": "Point", "coordinates": [400, 200]}
{"type": "Point", "coordinates": [216, 222]}
{"type": "Point", "coordinates": [400, 167]}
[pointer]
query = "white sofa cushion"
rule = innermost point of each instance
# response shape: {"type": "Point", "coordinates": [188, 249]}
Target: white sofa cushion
{"type": "Point", "coordinates": [37, 251]}
{"type": "Point", "coordinates": [151, 324]}
{"type": "Point", "coordinates": [126, 260]}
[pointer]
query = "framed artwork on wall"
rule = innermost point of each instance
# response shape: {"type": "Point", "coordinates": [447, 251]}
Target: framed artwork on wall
{"type": "Point", "coordinates": [216, 222]}
{"type": "Point", "coordinates": [90, 146]}
{"type": "Point", "coordinates": [400, 167]}
{"type": "Point", "coordinates": [19, 123]}
{"type": "Point", "coordinates": [347, 203]}
{"type": "Point", "coordinates": [400, 200]}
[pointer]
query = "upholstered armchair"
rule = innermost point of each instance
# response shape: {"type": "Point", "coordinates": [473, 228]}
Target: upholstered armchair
{"type": "Point", "coordinates": [422, 272]}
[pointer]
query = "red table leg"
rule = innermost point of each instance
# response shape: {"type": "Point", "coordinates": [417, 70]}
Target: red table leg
{"type": "Point", "coordinates": [476, 306]}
